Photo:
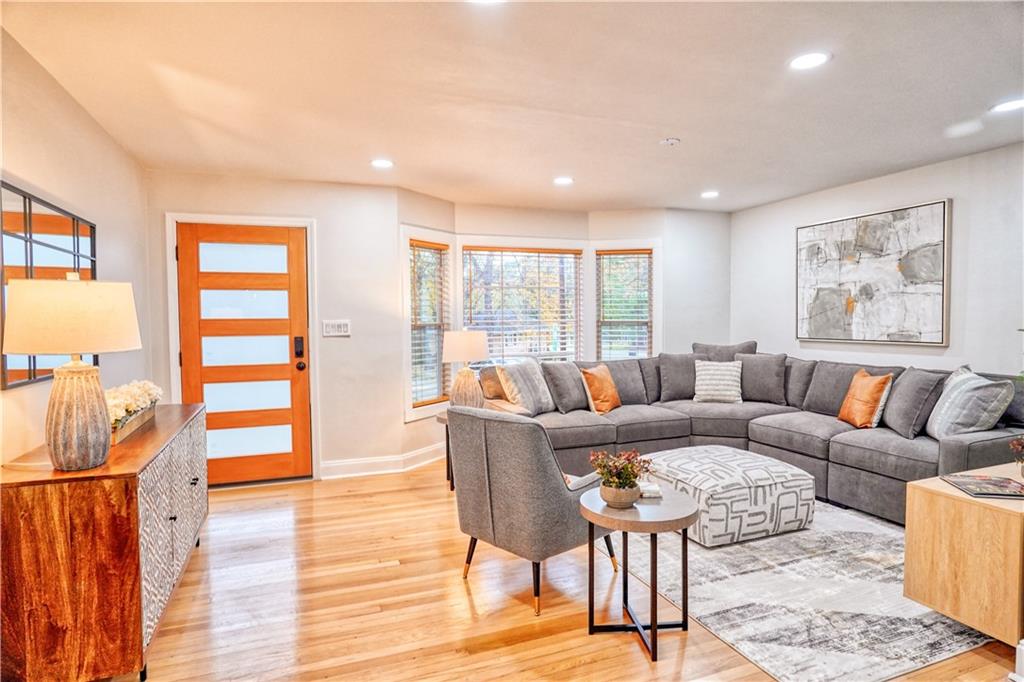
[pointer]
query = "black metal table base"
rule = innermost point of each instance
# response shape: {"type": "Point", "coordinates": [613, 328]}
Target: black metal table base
{"type": "Point", "coordinates": [649, 640]}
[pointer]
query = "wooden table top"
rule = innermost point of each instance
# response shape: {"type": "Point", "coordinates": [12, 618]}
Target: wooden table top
{"type": "Point", "coordinates": [939, 487]}
{"type": "Point", "coordinates": [673, 511]}
{"type": "Point", "coordinates": [126, 459]}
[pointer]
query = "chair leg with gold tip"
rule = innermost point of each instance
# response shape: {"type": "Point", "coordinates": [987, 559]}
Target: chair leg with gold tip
{"type": "Point", "coordinates": [469, 557]}
{"type": "Point", "coordinates": [611, 552]}
{"type": "Point", "coordinates": [536, 588]}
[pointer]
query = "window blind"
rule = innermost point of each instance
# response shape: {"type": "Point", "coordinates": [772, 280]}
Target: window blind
{"type": "Point", "coordinates": [624, 312]}
{"type": "Point", "coordinates": [527, 300]}
{"type": "Point", "coordinates": [430, 317]}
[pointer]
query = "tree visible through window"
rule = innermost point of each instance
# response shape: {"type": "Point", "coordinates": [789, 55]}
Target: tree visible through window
{"type": "Point", "coordinates": [624, 285]}
{"type": "Point", "coordinates": [527, 300]}
{"type": "Point", "coordinates": [429, 316]}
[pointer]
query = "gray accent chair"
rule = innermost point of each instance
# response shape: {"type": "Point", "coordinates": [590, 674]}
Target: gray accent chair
{"type": "Point", "coordinates": [511, 492]}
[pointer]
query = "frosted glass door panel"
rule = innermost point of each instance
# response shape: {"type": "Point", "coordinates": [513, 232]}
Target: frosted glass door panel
{"type": "Point", "coordinates": [245, 350]}
{"type": "Point", "coordinates": [234, 396]}
{"type": "Point", "coordinates": [216, 257]}
{"type": "Point", "coordinates": [252, 440]}
{"type": "Point", "coordinates": [243, 304]}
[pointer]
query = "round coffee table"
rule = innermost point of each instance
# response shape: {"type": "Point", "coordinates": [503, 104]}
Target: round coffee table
{"type": "Point", "coordinates": [671, 512]}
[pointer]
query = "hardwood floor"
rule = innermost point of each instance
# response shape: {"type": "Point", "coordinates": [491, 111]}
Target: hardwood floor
{"type": "Point", "coordinates": [362, 579]}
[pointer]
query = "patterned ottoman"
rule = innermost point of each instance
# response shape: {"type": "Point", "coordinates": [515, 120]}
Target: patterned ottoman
{"type": "Point", "coordinates": [741, 495]}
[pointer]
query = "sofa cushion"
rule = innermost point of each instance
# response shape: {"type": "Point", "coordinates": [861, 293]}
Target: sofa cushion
{"type": "Point", "coordinates": [721, 353]}
{"type": "Point", "coordinates": [831, 381]}
{"type": "Point", "coordinates": [764, 377]}
{"type": "Point", "coordinates": [723, 419]}
{"type": "Point", "coordinates": [807, 433]}
{"type": "Point", "coordinates": [798, 380]}
{"type": "Point", "coordinates": [911, 400]}
{"type": "Point", "coordinates": [579, 428]}
{"type": "Point", "coordinates": [1014, 415]}
{"type": "Point", "coordinates": [647, 422]}
{"type": "Point", "coordinates": [629, 381]}
{"type": "Point", "coordinates": [969, 403]}
{"type": "Point", "coordinates": [524, 386]}
{"type": "Point", "coordinates": [650, 368]}
{"type": "Point", "coordinates": [883, 451]}
{"type": "Point", "coordinates": [678, 375]}
{"type": "Point", "coordinates": [602, 396]}
{"type": "Point", "coordinates": [718, 382]}
{"type": "Point", "coordinates": [491, 384]}
{"type": "Point", "coordinates": [566, 386]}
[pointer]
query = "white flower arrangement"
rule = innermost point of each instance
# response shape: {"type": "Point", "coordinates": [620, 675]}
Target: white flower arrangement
{"type": "Point", "coordinates": [123, 402]}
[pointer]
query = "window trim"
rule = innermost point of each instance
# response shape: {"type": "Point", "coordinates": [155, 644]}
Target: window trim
{"type": "Point", "coordinates": [599, 322]}
{"type": "Point", "coordinates": [428, 238]}
{"type": "Point", "coordinates": [652, 244]}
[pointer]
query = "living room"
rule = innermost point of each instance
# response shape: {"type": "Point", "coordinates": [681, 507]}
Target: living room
{"type": "Point", "coordinates": [525, 171]}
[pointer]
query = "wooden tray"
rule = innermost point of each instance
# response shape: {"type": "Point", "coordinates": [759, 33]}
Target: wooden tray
{"type": "Point", "coordinates": [138, 419]}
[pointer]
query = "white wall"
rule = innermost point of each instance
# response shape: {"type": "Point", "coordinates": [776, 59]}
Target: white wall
{"type": "Point", "coordinates": [520, 222]}
{"type": "Point", "coordinates": [987, 292]}
{"type": "Point", "coordinates": [54, 149]}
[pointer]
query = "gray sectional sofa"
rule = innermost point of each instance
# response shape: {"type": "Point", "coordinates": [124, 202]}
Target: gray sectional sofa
{"type": "Point", "coordinates": [866, 469]}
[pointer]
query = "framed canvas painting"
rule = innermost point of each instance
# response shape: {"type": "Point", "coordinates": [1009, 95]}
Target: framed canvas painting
{"type": "Point", "coordinates": [876, 278]}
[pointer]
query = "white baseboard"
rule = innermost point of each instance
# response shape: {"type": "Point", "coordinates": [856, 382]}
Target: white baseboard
{"type": "Point", "coordinates": [386, 464]}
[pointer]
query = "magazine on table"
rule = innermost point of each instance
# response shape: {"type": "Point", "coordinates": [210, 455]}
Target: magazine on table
{"type": "Point", "coordinates": [987, 486]}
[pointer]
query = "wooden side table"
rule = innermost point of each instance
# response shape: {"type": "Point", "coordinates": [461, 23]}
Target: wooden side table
{"type": "Point", "coordinates": [674, 511]}
{"type": "Point", "coordinates": [965, 555]}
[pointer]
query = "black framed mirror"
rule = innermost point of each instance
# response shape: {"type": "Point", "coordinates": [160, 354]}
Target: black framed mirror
{"type": "Point", "coordinates": [40, 241]}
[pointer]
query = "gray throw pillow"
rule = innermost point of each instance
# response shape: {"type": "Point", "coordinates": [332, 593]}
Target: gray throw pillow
{"type": "Point", "coordinates": [651, 369]}
{"type": "Point", "coordinates": [721, 353]}
{"type": "Point", "coordinates": [911, 400]}
{"type": "Point", "coordinates": [831, 381]}
{"type": "Point", "coordinates": [678, 375]}
{"type": "Point", "coordinates": [718, 382]}
{"type": "Point", "coordinates": [1014, 415]}
{"type": "Point", "coordinates": [798, 380]}
{"type": "Point", "coordinates": [764, 377]}
{"type": "Point", "coordinates": [524, 386]}
{"type": "Point", "coordinates": [629, 380]}
{"type": "Point", "coordinates": [968, 403]}
{"type": "Point", "coordinates": [491, 384]}
{"type": "Point", "coordinates": [566, 386]}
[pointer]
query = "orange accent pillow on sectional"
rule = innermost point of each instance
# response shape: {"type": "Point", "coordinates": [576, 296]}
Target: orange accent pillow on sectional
{"type": "Point", "coordinates": [865, 400]}
{"type": "Point", "coordinates": [601, 391]}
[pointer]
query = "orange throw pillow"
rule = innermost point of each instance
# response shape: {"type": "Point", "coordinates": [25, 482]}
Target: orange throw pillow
{"type": "Point", "coordinates": [865, 400]}
{"type": "Point", "coordinates": [601, 391]}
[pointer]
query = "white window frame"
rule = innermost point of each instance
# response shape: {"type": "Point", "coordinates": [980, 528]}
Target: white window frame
{"type": "Point", "coordinates": [408, 232]}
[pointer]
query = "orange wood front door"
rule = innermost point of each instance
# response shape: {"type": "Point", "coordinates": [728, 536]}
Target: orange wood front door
{"type": "Point", "coordinates": [245, 347]}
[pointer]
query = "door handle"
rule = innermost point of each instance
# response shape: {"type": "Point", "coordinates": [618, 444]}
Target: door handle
{"type": "Point", "coordinates": [172, 518]}
{"type": "Point", "coordinates": [300, 347]}
{"type": "Point", "coordinates": [194, 481]}
{"type": "Point", "coordinates": [300, 366]}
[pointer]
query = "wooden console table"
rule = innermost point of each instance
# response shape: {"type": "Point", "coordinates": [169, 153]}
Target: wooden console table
{"type": "Point", "coordinates": [90, 558]}
{"type": "Point", "coordinates": [965, 555]}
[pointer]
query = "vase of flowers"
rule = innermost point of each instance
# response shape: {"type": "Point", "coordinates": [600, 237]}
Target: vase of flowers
{"type": "Point", "coordinates": [619, 475]}
{"type": "Point", "coordinates": [130, 406]}
{"type": "Point", "coordinates": [1017, 445]}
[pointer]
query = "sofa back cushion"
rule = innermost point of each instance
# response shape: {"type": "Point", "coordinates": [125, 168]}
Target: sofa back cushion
{"type": "Point", "coordinates": [798, 380]}
{"type": "Point", "coordinates": [722, 353]}
{"type": "Point", "coordinates": [524, 386]}
{"type": "Point", "coordinates": [650, 368]}
{"type": "Point", "coordinates": [968, 403]}
{"type": "Point", "coordinates": [566, 386]}
{"type": "Point", "coordinates": [831, 381]}
{"type": "Point", "coordinates": [763, 377]}
{"type": "Point", "coordinates": [912, 399]}
{"type": "Point", "coordinates": [491, 383]}
{"type": "Point", "coordinates": [678, 375]}
{"type": "Point", "coordinates": [629, 381]}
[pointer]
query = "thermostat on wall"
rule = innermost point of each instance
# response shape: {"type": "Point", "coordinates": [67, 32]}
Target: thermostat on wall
{"type": "Point", "coordinates": [337, 328]}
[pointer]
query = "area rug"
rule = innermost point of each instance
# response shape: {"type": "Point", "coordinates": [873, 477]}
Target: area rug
{"type": "Point", "coordinates": [824, 603]}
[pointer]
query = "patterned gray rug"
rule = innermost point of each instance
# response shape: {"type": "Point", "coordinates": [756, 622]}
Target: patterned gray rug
{"type": "Point", "coordinates": [824, 603]}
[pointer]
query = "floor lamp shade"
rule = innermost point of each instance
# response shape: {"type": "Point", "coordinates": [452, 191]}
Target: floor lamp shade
{"type": "Point", "coordinates": [59, 317]}
{"type": "Point", "coordinates": [465, 346]}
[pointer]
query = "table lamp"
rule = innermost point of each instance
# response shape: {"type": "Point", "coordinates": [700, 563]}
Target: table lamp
{"type": "Point", "coordinates": [66, 317]}
{"type": "Point", "coordinates": [465, 346]}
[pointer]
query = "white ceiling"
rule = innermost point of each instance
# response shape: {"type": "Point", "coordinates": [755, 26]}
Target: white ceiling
{"type": "Point", "coordinates": [487, 103]}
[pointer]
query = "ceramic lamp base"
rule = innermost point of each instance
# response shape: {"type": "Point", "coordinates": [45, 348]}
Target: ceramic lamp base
{"type": "Point", "coordinates": [77, 422]}
{"type": "Point", "coordinates": [466, 391]}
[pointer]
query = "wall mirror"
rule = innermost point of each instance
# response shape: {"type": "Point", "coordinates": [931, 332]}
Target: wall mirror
{"type": "Point", "coordinates": [40, 241]}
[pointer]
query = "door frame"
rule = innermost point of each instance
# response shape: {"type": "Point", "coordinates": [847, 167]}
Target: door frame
{"type": "Point", "coordinates": [171, 220]}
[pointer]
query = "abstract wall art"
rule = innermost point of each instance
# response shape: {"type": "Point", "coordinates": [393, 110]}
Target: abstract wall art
{"type": "Point", "coordinates": [875, 278]}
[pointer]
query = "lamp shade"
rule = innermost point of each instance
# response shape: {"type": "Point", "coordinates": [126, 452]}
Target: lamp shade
{"type": "Point", "coordinates": [61, 317]}
{"type": "Point", "coordinates": [464, 346]}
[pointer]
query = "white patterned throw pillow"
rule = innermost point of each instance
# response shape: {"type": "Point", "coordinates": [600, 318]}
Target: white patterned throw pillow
{"type": "Point", "coordinates": [718, 382]}
{"type": "Point", "coordinates": [968, 403]}
{"type": "Point", "coordinates": [525, 387]}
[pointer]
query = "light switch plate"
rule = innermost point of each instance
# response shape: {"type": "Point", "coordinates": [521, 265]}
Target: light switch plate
{"type": "Point", "coordinates": [337, 327]}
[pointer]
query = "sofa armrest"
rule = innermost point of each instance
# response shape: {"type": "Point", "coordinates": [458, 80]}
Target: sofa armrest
{"type": "Point", "coordinates": [976, 450]}
{"type": "Point", "coordinates": [583, 483]}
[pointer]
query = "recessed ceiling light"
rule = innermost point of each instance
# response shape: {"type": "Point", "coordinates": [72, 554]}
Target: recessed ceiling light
{"type": "Point", "coordinates": [963, 128]}
{"type": "Point", "coordinates": [563, 181]}
{"type": "Point", "coordinates": [1010, 105]}
{"type": "Point", "coordinates": [670, 141]}
{"type": "Point", "coordinates": [383, 164]}
{"type": "Point", "coordinates": [810, 60]}
{"type": "Point", "coordinates": [486, 2]}
{"type": "Point", "coordinates": [709, 194]}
